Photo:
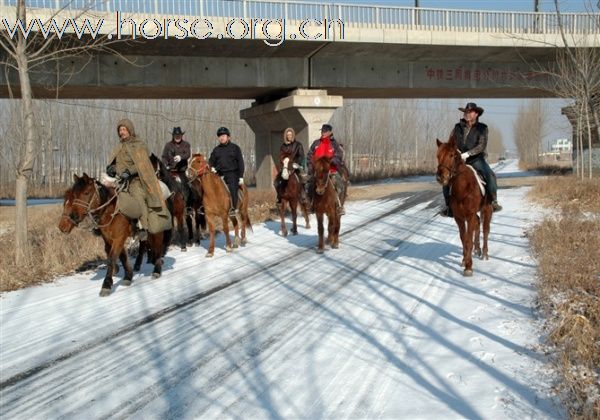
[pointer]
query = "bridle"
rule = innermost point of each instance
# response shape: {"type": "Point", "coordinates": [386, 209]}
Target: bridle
{"type": "Point", "coordinates": [192, 174]}
{"type": "Point", "coordinates": [452, 170]}
{"type": "Point", "coordinates": [90, 212]}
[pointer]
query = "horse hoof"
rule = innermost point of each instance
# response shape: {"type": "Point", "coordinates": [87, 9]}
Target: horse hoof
{"type": "Point", "coordinates": [126, 282]}
{"type": "Point", "coordinates": [104, 292]}
{"type": "Point", "coordinates": [335, 246]}
{"type": "Point", "coordinates": [468, 273]}
{"type": "Point", "coordinates": [183, 249]}
{"type": "Point", "coordinates": [209, 255]}
{"type": "Point", "coordinates": [319, 251]}
{"type": "Point", "coordinates": [136, 268]}
{"type": "Point", "coordinates": [155, 275]}
{"type": "Point", "coordinates": [284, 234]}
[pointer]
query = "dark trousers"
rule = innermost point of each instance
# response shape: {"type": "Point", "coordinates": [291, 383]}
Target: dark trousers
{"type": "Point", "coordinates": [232, 181]}
{"type": "Point", "coordinates": [484, 169]}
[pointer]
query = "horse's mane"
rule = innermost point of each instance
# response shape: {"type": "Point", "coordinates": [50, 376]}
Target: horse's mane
{"type": "Point", "coordinates": [164, 175]}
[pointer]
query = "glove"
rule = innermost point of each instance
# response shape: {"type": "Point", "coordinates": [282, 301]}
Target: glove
{"type": "Point", "coordinates": [295, 165]}
{"type": "Point", "coordinates": [177, 159]}
{"type": "Point", "coordinates": [241, 181]}
{"type": "Point", "coordinates": [213, 170]}
{"type": "Point", "coordinates": [125, 175]}
{"type": "Point", "coordinates": [111, 171]}
{"type": "Point", "coordinates": [464, 156]}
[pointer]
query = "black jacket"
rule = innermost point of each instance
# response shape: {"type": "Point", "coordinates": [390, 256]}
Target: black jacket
{"type": "Point", "coordinates": [473, 141]}
{"type": "Point", "coordinates": [173, 149]}
{"type": "Point", "coordinates": [227, 158]}
{"type": "Point", "coordinates": [295, 150]}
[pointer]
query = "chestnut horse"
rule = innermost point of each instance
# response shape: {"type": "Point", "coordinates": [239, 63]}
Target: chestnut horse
{"type": "Point", "coordinates": [325, 202]}
{"type": "Point", "coordinates": [89, 198]}
{"type": "Point", "coordinates": [291, 190]}
{"type": "Point", "coordinates": [178, 203]}
{"type": "Point", "coordinates": [217, 202]}
{"type": "Point", "coordinates": [466, 200]}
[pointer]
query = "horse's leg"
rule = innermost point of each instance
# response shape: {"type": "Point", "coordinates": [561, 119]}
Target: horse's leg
{"type": "Point", "coordinates": [140, 256]}
{"type": "Point", "coordinates": [471, 222]}
{"type": "Point", "coordinates": [304, 207]}
{"type": "Point", "coordinates": [331, 226]}
{"type": "Point", "coordinates": [321, 230]}
{"type": "Point", "coordinates": [476, 234]}
{"type": "Point", "coordinates": [156, 243]}
{"type": "Point", "coordinates": [127, 267]}
{"type": "Point", "coordinates": [116, 247]}
{"type": "Point", "coordinates": [211, 242]}
{"type": "Point", "coordinates": [486, 213]}
{"type": "Point", "coordinates": [107, 250]}
{"type": "Point", "coordinates": [180, 217]}
{"type": "Point", "coordinates": [190, 229]}
{"type": "Point", "coordinates": [225, 219]}
{"type": "Point", "coordinates": [336, 232]}
{"type": "Point", "coordinates": [462, 232]}
{"type": "Point", "coordinates": [294, 208]}
{"type": "Point", "coordinates": [245, 221]}
{"type": "Point", "coordinates": [282, 205]}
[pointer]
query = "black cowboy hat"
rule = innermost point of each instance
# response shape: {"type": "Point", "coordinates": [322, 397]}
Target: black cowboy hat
{"type": "Point", "coordinates": [177, 131]}
{"type": "Point", "coordinates": [326, 127]}
{"type": "Point", "coordinates": [223, 130]}
{"type": "Point", "coordinates": [470, 106]}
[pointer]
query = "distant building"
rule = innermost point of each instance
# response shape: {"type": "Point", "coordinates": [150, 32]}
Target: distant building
{"type": "Point", "coordinates": [562, 145]}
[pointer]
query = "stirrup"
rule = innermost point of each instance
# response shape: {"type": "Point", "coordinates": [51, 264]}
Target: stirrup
{"type": "Point", "coordinates": [495, 206]}
{"type": "Point", "coordinates": [341, 210]}
{"type": "Point", "coordinates": [446, 212]}
{"type": "Point", "coordinates": [142, 235]}
{"type": "Point", "coordinates": [233, 212]}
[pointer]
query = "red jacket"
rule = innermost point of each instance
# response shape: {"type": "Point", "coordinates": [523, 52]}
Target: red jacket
{"type": "Point", "coordinates": [325, 149]}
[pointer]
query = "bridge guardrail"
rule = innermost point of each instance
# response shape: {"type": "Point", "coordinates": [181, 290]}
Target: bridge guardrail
{"type": "Point", "coordinates": [376, 16]}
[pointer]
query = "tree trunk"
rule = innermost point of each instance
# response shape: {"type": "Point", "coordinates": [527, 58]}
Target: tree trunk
{"type": "Point", "coordinates": [25, 167]}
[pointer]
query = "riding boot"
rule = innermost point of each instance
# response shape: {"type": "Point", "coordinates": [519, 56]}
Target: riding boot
{"type": "Point", "coordinates": [446, 211]}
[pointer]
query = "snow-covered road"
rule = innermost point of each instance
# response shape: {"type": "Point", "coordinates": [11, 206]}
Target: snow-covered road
{"type": "Point", "coordinates": [384, 327]}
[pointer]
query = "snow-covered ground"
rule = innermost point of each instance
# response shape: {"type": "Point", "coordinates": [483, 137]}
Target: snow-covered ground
{"type": "Point", "coordinates": [384, 327]}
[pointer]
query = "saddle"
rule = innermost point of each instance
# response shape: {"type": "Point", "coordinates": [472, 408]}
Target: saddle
{"type": "Point", "coordinates": [479, 179]}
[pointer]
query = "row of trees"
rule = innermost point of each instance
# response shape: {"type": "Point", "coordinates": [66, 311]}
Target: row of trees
{"type": "Point", "coordinates": [380, 136]}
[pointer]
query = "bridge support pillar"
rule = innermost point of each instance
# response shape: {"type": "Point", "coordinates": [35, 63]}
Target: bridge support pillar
{"type": "Point", "coordinates": [305, 110]}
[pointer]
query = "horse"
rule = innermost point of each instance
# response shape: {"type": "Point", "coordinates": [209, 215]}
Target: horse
{"type": "Point", "coordinates": [466, 201]}
{"type": "Point", "coordinates": [290, 193]}
{"type": "Point", "coordinates": [178, 203]}
{"type": "Point", "coordinates": [325, 202]}
{"type": "Point", "coordinates": [217, 202]}
{"type": "Point", "coordinates": [89, 198]}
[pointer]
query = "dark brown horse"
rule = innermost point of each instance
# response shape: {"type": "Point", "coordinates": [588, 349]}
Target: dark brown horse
{"type": "Point", "coordinates": [88, 198]}
{"type": "Point", "coordinates": [217, 202]}
{"type": "Point", "coordinates": [325, 202]}
{"type": "Point", "coordinates": [291, 190]}
{"type": "Point", "coordinates": [466, 200]}
{"type": "Point", "coordinates": [178, 203]}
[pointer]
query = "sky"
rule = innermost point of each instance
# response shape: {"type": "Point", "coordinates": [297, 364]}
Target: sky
{"type": "Point", "coordinates": [386, 326]}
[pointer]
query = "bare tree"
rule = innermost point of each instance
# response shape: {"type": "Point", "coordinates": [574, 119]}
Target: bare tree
{"type": "Point", "coordinates": [23, 53]}
{"type": "Point", "coordinates": [529, 130]}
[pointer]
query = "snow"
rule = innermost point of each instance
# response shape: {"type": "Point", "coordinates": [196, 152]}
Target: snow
{"type": "Point", "coordinates": [385, 326]}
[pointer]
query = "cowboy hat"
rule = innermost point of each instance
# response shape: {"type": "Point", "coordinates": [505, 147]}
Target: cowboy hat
{"type": "Point", "coordinates": [177, 131]}
{"type": "Point", "coordinates": [472, 106]}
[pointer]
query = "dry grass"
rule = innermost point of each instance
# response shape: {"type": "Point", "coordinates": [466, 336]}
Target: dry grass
{"type": "Point", "coordinates": [568, 251]}
{"type": "Point", "coordinates": [53, 252]}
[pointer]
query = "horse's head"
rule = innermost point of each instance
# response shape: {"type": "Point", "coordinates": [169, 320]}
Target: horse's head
{"type": "Point", "coordinates": [197, 166]}
{"type": "Point", "coordinates": [321, 173]}
{"type": "Point", "coordinates": [77, 202]}
{"type": "Point", "coordinates": [448, 158]}
{"type": "Point", "coordinates": [287, 165]}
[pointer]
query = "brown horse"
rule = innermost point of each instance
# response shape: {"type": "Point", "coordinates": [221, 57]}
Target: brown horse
{"type": "Point", "coordinates": [325, 202]}
{"type": "Point", "coordinates": [291, 190]}
{"type": "Point", "coordinates": [89, 198]}
{"type": "Point", "coordinates": [466, 200]}
{"type": "Point", "coordinates": [217, 202]}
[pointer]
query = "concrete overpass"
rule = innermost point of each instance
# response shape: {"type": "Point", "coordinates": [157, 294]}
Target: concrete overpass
{"type": "Point", "coordinates": [228, 49]}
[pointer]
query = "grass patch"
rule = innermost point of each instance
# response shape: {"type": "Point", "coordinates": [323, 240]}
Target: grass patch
{"type": "Point", "coordinates": [567, 247]}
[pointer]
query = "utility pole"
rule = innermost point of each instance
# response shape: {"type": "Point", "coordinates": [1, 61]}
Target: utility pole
{"type": "Point", "coordinates": [536, 5]}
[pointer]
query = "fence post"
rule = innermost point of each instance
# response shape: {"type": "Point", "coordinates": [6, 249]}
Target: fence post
{"type": "Point", "coordinates": [245, 9]}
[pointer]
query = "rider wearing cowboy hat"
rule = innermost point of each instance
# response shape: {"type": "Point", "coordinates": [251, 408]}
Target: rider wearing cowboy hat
{"type": "Point", "coordinates": [175, 156]}
{"type": "Point", "coordinates": [471, 138]}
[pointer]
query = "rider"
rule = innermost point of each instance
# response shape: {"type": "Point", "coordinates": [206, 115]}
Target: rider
{"type": "Point", "coordinates": [175, 156]}
{"type": "Point", "coordinates": [226, 160]}
{"type": "Point", "coordinates": [294, 150]}
{"type": "Point", "coordinates": [131, 162]}
{"type": "Point", "coordinates": [327, 145]}
{"type": "Point", "coordinates": [471, 138]}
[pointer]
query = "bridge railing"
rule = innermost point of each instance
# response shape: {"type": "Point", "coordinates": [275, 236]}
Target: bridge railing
{"type": "Point", "coordinates": [351, 14]}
